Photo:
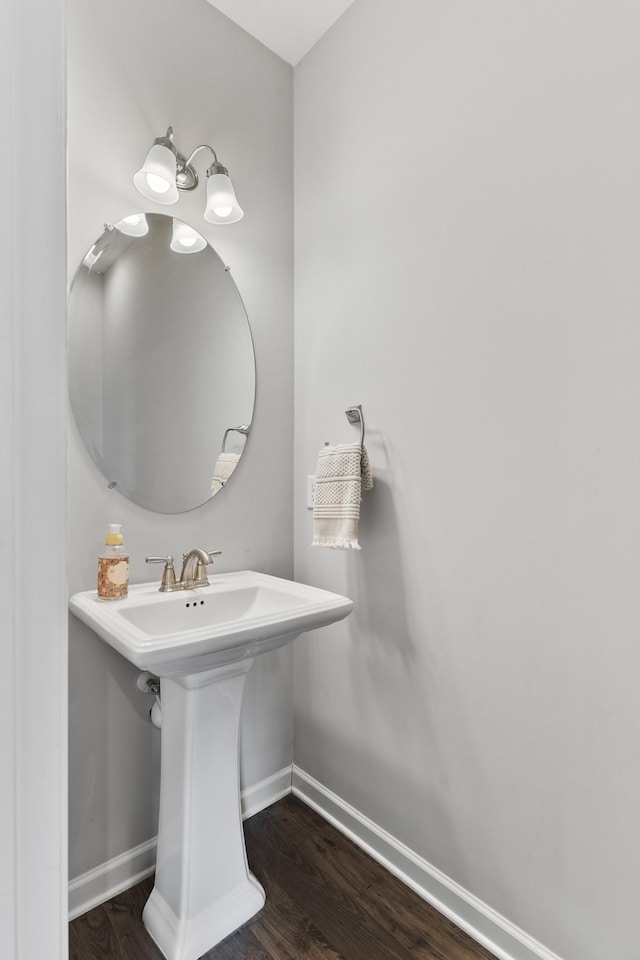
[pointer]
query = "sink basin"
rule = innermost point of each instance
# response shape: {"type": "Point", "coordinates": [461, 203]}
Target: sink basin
{"type": "Point", "coordinates": [238, 615]}
{"type": "Point", "coordinates": [202, 644]}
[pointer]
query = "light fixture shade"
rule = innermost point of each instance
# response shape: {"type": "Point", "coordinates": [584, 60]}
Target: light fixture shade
{"type": "Point", "coordinates": [222, 206]}
{"type": "Point", "coordinates": [185, 239]}
{"type": "Point", "coordinates": [156, 179]}
{"type": "Point", "coordinates": [134, 225]}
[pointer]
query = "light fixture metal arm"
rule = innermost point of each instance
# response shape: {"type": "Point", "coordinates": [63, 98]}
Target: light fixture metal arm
{"type": "Point", "coordinates": [187, 177]}
{"type": "Point", "coordinates": [203, 146]}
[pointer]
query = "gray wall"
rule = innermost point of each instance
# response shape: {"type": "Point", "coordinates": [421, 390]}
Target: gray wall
{"type": "Point", "coordinates": [133, 70]}
{"type": "Point", "coordinates": [467, 263]}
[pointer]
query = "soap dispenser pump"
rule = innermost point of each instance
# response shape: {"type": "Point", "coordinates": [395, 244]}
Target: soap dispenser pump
{"type": "Point", "coordinates": [113, 565]}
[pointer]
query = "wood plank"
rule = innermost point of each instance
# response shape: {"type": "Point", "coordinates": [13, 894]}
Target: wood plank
{"type": "Point", "coordinates": [91, 937]}
{"type": "Point", "coordinates": [138, 947]}
{"type": "Point", "coordinates": [124, 911]}
{"type": "Point", "coordinates": [286, 932]}
{"type": "Point", "coordinates": [241, 944]}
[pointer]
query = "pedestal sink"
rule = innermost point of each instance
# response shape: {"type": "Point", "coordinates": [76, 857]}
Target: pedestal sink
{"type": "Point", "coordinates": [201, 643]}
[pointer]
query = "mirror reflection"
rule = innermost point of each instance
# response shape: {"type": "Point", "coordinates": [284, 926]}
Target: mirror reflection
{"type": "Point", "coordinates": [161, 363]}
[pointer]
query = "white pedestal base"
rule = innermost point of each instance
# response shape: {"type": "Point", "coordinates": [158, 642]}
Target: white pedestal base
{"type": "Point", "coordinates": [203, 888]}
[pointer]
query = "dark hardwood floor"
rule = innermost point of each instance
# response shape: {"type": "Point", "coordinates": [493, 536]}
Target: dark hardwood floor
{"type": "Point", "coordinates": [326, 900]}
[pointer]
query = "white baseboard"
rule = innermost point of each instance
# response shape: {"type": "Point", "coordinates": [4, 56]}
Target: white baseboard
{"type": "Point", "coordinates": [485, 925]}
{"type": "Point", "coordinates": [268, 791]}
{"type": "Point", "coordinates": [111, 878]}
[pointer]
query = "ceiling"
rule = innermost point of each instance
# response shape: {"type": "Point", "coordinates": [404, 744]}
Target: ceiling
{"type": "Point", "coordinates": [288, 27]}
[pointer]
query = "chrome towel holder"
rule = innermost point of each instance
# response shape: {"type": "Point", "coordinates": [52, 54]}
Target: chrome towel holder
{"type": "Point", "coordinates": [243, 429]}
{"type": "Point", "coordinates": [355, 415]}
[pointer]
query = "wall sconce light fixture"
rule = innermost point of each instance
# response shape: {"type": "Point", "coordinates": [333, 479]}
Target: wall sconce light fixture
{"type": "Point", "coordinates": [165, 171]}
{"type": "Point", "coordinates": [135, 225]}
{"type": "Point", "coordinates": [184, 239]}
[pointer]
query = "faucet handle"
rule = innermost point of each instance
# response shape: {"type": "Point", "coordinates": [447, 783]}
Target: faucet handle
{"type": "Point", "coordinates": [168, 574]}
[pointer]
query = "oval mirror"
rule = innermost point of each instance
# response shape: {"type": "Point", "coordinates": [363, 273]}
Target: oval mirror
{"type": "Point", "coordinates": [161, 363]}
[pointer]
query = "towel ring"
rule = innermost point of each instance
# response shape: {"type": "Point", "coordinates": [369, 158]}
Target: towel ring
{"type": "Point", "coordinates": [243, 429]}
{"type": "Point", "coordinates": [355, 415]}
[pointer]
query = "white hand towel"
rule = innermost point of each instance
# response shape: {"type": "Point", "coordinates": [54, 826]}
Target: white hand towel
{"type": "Point", "coordinates": [225, 465]}
{"type": "Point", "coordinates": [343, 473]}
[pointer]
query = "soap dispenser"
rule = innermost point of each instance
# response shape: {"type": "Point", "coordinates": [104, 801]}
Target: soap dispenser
{"type": "Point", "coordinates": [113, 565]}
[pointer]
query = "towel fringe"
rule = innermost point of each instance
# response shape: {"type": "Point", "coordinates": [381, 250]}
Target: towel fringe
{"type": "Point", "coordinates": [337, 543]}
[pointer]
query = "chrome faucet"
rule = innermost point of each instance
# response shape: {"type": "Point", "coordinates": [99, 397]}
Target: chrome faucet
{"type": "Point", "coordinates": [194, 570]}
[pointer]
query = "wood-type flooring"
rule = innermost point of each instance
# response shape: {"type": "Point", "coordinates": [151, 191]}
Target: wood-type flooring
{"type": "Point", "coordinates": [326, 900]}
